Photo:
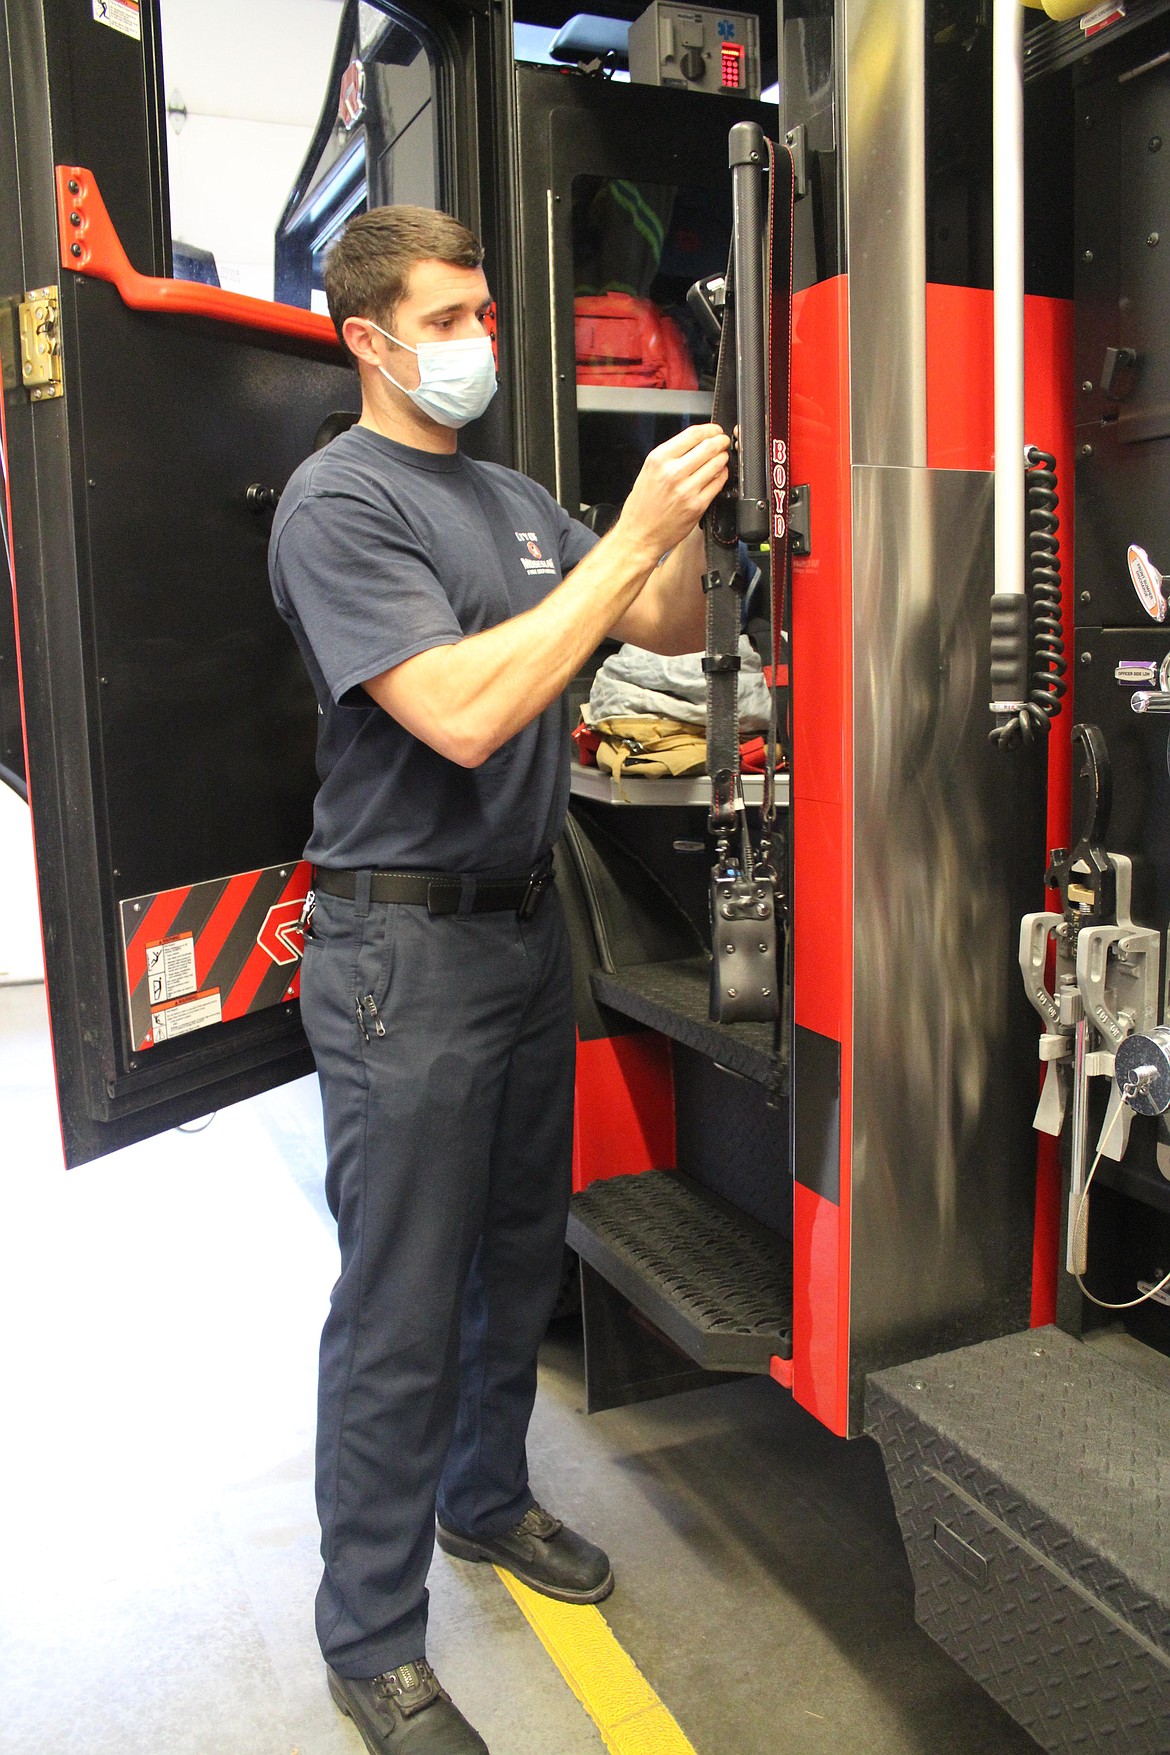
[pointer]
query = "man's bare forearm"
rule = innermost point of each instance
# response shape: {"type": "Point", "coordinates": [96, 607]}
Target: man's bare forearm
{"type": "Point", "coordinates": [468, 698]}
{"type": "Point", "coordinates": [669, 615]}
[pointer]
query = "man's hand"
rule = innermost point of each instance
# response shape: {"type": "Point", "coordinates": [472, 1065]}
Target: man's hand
{"type": "Point", "coordinates": [675, 485]}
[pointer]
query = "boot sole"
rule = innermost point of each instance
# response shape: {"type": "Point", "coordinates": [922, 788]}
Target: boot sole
{"type": "Point", "coordinates": [462, 1548]}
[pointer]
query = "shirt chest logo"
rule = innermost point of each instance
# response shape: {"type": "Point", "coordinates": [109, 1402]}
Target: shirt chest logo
{"type": "Point", "coordinates": [534, 561]}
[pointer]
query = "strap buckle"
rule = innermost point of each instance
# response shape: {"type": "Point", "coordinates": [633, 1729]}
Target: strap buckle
{"type": "Point", "coordinates": [725, 801]}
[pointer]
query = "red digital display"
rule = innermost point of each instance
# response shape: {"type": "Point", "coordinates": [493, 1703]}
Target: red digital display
{"type": "Point", "coordinates": [731, 56]}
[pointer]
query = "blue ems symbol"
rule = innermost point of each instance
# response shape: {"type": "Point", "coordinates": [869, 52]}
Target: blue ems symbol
{"type": "Point", "coordinates": [726, 29]}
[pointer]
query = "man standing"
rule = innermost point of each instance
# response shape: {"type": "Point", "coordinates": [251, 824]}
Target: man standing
{"type": "Point", "coordinates": [441, 607]}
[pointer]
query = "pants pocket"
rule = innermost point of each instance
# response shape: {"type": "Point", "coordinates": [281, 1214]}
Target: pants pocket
{"type": "Point", "coordinates": [373, 966]}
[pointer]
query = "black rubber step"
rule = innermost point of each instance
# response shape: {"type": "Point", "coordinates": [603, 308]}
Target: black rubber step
{"type": "Point", "coordinates": [673, 998]}
{"type": "Point", "coordinates": [718, 1284]}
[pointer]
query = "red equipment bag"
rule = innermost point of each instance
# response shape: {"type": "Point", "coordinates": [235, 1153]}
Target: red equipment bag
{"type": "Point", "coordinates": [629, 341]}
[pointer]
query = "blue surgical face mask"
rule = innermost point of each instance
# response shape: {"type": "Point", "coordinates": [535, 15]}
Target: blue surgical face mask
{"type": "Point", "coordinates": [456, 379]}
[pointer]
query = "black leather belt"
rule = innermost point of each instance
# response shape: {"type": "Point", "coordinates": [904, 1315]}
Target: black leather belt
{"type": "Point", "coordinates": [446, 892]}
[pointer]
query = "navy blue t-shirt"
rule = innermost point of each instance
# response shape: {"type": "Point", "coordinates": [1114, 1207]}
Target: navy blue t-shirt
{"type": "Point", "coordinates": [380, 552]}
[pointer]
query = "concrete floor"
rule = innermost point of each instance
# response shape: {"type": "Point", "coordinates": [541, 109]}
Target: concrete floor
{"type": "Point", "coordinates": [160, 1314]}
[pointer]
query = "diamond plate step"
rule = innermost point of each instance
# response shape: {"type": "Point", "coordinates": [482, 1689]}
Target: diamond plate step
{"type": "Point", "coordinates": [1031, 1477]}
{"type": "Point", "coordinates": [673, 998]}
{"type": "Point", "coordinates": [718, 1284]}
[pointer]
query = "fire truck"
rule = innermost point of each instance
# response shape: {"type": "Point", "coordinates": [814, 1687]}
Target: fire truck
{"type": "Point", "coordinates": [931, 1196]}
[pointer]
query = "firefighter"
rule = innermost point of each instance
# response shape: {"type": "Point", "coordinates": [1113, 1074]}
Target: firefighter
{"type": "Point", "coordinates": [441, 606]}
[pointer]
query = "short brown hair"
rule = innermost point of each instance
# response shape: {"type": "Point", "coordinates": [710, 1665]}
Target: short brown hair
{"type": "Point", "coordinates": [367, 270]}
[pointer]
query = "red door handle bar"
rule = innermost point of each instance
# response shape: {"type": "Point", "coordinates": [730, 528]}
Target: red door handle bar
{"type": "Point", "coordinates": [90, 245]}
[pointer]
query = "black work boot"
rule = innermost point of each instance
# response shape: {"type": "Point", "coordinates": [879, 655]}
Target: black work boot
{"type": "Point", "coordinates": [406, 1712]}
{"type": "Point", "coordinates": [542, 1553]}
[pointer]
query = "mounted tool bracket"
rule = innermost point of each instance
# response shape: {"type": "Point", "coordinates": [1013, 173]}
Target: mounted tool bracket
{"type": "Point", "coordinates": [1118, 970]}
{"type": "Point", "coordinates": [1105, 975]}
{"type": "Point", "coordinates": [1105, 989]}
{"type": "Point", "coordinates": [1060, 1011]}
{"type": "Point", "coordinates": [1105, 986]}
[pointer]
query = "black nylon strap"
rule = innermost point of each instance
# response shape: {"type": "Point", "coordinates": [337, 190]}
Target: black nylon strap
{"type": "Point", "coordinates": [723, 600]}
{"type": "Point", "coordinates": [781, 212]}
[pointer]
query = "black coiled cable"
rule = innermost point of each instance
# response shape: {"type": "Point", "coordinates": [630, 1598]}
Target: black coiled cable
{"type": "Point", "coordinates": [1048, 684]}
{"type": "Point", "coordinates": [1049, 665]}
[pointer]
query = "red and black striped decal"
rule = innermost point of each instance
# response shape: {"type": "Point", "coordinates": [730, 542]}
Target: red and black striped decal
{"type": "Point", "coordinates": [221, 949]}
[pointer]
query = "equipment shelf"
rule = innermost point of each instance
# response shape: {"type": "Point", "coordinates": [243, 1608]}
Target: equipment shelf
{"type": "Point", "coordinates": [618, 399]}
{"type": "Point", "coordinates": [716, 1283]}
{"type": "Point", "coordinates": [672, 998]}
{"type": "Point", "coordinates": [595, 783]}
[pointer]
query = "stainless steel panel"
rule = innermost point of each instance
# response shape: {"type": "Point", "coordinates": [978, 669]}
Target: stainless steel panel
{"type": "Point", "coordinates": [948, 852]}
{"type": "Point", "coordinates": [885, 179]}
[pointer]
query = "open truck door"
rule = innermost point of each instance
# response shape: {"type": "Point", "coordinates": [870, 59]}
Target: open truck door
{"type": "Point", "coordinates": [152, 419]}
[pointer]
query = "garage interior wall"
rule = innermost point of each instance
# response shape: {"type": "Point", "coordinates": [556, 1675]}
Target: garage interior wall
{"type": "Point", "coordinates": [244, 88]}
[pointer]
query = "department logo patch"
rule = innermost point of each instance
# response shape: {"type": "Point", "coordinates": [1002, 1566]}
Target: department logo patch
{"type": "Point", "coordinates": [539, 562]}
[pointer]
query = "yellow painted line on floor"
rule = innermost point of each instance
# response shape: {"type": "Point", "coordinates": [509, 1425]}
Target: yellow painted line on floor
{"type": "Point", "coordinates": [610, 1686]}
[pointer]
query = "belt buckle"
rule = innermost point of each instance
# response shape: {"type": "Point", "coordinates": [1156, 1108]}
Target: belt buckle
{"type": "Point", "coordinates": [444, 895]}
{"type": "Point", "coordinates": [530, 901]}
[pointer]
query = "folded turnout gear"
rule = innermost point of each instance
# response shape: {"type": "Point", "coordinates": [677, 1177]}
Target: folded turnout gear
{"type": "Point", "coordinates": [642, 747]}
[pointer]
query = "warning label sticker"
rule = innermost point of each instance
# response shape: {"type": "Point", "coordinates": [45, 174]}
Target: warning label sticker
{"type": "Point", "coordinates": [178, 1017]}
{"type": "Point", "coordinates": [170, 967]}
{"type": "Point", "coordinates": [239, 935]}
{"type": "Point", "coordinates": [120, 15]}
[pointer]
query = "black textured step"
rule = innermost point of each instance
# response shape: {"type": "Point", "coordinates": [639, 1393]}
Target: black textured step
{"type": "Point", "coordinates": [713, 1280]}
{"type": "Point", "coordinates": [1031, 1477]}
{"type": "Point", "coordinates": [673, 998]}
